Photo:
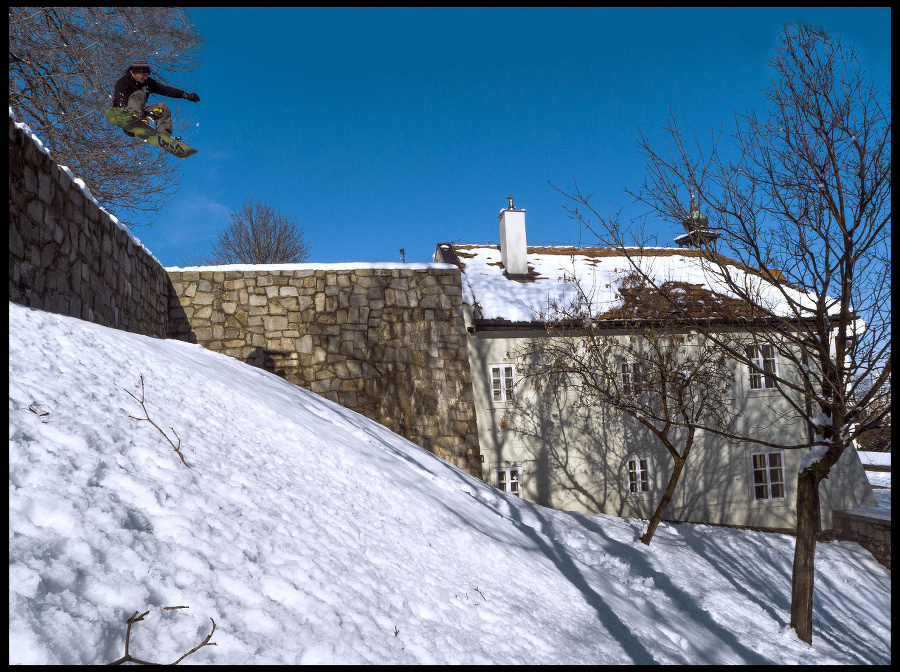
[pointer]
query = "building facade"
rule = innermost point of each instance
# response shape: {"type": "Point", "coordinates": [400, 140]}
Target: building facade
{"type": "Point", "coordinates": [550, 448]}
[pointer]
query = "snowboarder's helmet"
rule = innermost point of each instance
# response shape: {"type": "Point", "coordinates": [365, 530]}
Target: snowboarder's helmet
{"type": "Point", "coordinates": [140, 65]}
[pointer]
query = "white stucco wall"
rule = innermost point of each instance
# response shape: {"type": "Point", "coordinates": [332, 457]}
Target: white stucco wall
{"type": "Point", "coordinates": [575, 458]}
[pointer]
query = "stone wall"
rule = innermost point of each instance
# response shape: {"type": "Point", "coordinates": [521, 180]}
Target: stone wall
{"type": "Point", "coordinates": [68, 256]}
{"type": "Point", "coordinates": [873, 534]}
{"type": "Point", "coordinates": [389, 343]}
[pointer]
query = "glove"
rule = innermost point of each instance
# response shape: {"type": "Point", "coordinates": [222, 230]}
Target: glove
{"type": "Point", "coordinates": [193, 97]}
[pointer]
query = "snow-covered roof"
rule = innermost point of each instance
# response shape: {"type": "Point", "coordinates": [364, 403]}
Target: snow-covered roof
{"type": "Point", "coordinates": [600, 271]}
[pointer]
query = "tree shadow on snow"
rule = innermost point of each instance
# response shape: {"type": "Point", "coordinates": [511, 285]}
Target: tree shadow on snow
{"type": "Point", "coordinates": [641, 567]}
{"type": "Point", "coordinates": [570, 567]}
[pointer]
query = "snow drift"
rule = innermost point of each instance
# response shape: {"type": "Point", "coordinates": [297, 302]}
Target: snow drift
{"type": "Point", "coordinates": [313, 535]}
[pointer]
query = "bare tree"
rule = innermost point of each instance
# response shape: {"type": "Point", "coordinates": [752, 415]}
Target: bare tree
{"type": "Point", "coordinates": [641, 360]}
{"type": "Point", "coordinates": [63, 64]}
{"type": "Point", "coordinates": [259, 234]}
{"type": "Point", "coordinates": [805, 201]}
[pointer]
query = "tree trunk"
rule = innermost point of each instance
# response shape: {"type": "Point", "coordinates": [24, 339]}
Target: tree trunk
{"type": "Point", "coordinates": [664, 502]}
{"type": "Point", "coordinates": [804, 554]}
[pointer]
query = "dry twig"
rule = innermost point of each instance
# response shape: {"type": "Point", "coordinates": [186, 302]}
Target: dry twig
{"type": "Point", "coordinates": [37, 409]}
{"type": "Point", "coordinates": [134, 618]}
{"type": "Point", "coordinates": [147, 419]}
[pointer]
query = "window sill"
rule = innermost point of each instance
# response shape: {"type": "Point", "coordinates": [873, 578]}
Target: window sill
{"type": "Point", "coordinates": [766, 392]}
{"type": "Point", "coordinates": [757, 503]}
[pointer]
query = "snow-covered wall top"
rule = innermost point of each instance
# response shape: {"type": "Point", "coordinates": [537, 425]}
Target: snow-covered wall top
{"type": "Point", "coordinates": [344, 266]}
{"type": "Point", "coordinates": [68, 255]}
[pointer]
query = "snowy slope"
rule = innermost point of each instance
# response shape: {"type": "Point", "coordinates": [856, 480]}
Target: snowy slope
{"type": "Point", "coordinates": [311, 534]}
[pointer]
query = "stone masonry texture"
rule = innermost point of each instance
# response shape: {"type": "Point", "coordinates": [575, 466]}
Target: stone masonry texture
{"type": "Point", "coordinates": [67, 256]}
{"type": "Point", "coordinates": [387, 343]}
{"type": "Point", "coordinates": [872, 534]}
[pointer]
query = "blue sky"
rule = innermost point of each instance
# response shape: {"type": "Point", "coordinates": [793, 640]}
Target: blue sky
{"type": "Point", "coordinates": [380, 129]}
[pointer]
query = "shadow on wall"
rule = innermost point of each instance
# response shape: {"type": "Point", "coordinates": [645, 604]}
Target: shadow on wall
{"type": "Point", "coordinates": [580, 458]}
{"type": "Point", "coordinates": [269, 360]}
{"type": "Point", "coordinates": [178, 327]}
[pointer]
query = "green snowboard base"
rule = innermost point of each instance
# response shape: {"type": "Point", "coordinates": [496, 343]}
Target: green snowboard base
{"type": "Point", "coordinates": [127, 121]}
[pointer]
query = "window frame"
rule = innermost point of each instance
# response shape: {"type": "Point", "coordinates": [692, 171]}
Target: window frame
{"type": "Point", "coordinates": [638, 476]}
{"type": "Point", "coordinates": [508, 394]}
{"type": "Point", "coordinates": [766, 471]}
{"type": "Point", "coordinates": [764, 377]}
{"type": "Point", "coordinates": [509, 471]}
{"type": "Point", "coordinates": [631, 376]}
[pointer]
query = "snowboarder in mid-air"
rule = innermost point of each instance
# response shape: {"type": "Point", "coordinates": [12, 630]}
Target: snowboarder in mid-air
{"type": "Point", "coordinates": [130, 96]}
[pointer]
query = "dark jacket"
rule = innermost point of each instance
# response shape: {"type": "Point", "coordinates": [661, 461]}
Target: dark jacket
{"type": "Point", "coordinates": [128, 85]}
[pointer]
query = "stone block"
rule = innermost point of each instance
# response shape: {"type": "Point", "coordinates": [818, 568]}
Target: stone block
{"type": "Point", "coordinates": [203, 334]}
{"type": "Point", "coordinates": [352, 385]}
{"type": "Point", "coordinates": [275, 323]}
{"type": "Point", "coordinates": [203, 312]}
{"type": "Point", "coordinates": [288, 303]}
{"type": "Point", "coordinates": [304, 345]}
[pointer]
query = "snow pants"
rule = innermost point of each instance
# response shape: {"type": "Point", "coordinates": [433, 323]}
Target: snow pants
{"type": "Point", "coordinates": [137, 104]}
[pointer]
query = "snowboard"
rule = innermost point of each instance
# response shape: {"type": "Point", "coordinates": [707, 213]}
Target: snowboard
{"type": "Point", "coordinates": [129, 122]}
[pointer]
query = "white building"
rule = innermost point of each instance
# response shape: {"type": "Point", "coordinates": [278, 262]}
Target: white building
{"type": "Point", "coordinates": [549, 450]}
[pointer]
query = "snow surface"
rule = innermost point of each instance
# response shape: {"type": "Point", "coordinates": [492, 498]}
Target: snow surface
{"type": "Point", "coordinates": [313, 535]}
{"type": "Point", "coordinates": [501, 298]}
{"type": "Point", "coordinates": [875, 459]}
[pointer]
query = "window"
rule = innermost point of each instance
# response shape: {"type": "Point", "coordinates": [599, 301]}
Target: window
{"type": "Point", "coordinates": [638, 476]}
{"type": "Point", "coordinates": [503, 383]}
{"type": "Point", "coordinates": [630, 373]}
{"type": "Point", "coordinates": [763, 370]}
{"type": "Point", "coordinates": [768, 476]}
{"type": "Point", "coordinates": [509, 479]}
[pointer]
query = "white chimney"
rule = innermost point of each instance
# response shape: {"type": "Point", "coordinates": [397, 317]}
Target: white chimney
{"type": "Point", "coordinates": [513, 248]}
